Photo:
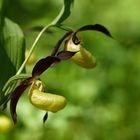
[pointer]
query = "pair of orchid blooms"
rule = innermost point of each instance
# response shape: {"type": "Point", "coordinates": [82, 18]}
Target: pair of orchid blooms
{"type": "Point", "coordinates": [73, 49]}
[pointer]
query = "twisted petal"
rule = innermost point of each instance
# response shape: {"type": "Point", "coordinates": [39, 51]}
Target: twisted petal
{"type": "Point", "coordinates": [56, 47]}
{"type": "Point", "coordinates": [96, 27]}
{"type": "Point", "coordinates": [64, 55]}
{"type": "Point", "coordinates": [15, 95]}
{"type": "Point", "coordinates": [43, 65]}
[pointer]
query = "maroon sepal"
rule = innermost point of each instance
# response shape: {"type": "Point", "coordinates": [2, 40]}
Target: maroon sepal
{"type": "Point", "coordinates": [15, 95]}
{"type": "Point", "coordinates": [43, 65]}
{"type": "Point", "coordinates": [96, 27]}
{"type": "Point", "coordinates": [64, 55]}
{"type": "Point", "coordinates": [56, 47]}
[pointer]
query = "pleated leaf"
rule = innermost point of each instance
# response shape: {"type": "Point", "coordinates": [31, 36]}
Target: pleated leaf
{"type": "Point", "coordinates": [65, 12]}
{"type": "Point", "coordinates": [12, 48]}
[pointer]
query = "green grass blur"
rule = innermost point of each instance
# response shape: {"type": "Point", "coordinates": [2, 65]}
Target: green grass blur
{"type": "Point", "coordinates": [104, 102]}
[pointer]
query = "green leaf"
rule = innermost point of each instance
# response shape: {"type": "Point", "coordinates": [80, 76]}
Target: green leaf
{"type": "Point", "coordinates": [12, 48]}
{"type": "Point", "coordinates": [3, 12]}
{"type": "Point", "coordinates": [65, 12]}
{"type": "Point", "coordinates": [13, 78]}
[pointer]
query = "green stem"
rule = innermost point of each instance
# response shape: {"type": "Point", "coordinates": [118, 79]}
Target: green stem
{"type": "Point", "coordinates": [33, 47]}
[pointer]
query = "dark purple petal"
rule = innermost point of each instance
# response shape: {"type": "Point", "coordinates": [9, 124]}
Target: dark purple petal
{"type": "Point", "coordinates": [96, 27]}
{"type": "Point", "coordinates": [64, 55]}
{"type": "Point", "coordinates": [43, 65]}
{"type": "Point", "coordinates": [15, 95]}
{"type": "Point", "coordinates": [56, 47]}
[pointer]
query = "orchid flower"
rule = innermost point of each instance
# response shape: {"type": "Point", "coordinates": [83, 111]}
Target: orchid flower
{"type": "Point", "coordinates": [73, 50]}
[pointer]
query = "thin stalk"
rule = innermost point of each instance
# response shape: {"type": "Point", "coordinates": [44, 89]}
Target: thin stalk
{"type": "Point", "coordinates": [33, 47]}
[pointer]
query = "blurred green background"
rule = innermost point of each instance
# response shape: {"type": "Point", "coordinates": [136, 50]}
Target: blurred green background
{"type": "Point", "coordinates": [103, 103]}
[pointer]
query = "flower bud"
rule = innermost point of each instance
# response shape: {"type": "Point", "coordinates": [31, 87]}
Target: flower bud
{"type": "Point", "coordinates": [5, 123]}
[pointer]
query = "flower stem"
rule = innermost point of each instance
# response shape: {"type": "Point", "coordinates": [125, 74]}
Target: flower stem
{"type": "Point", "coordinates": [33, 47]}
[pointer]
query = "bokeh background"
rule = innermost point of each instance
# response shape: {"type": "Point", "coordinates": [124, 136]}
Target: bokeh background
{"type": "Point", "coordinates": [104, 102]}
